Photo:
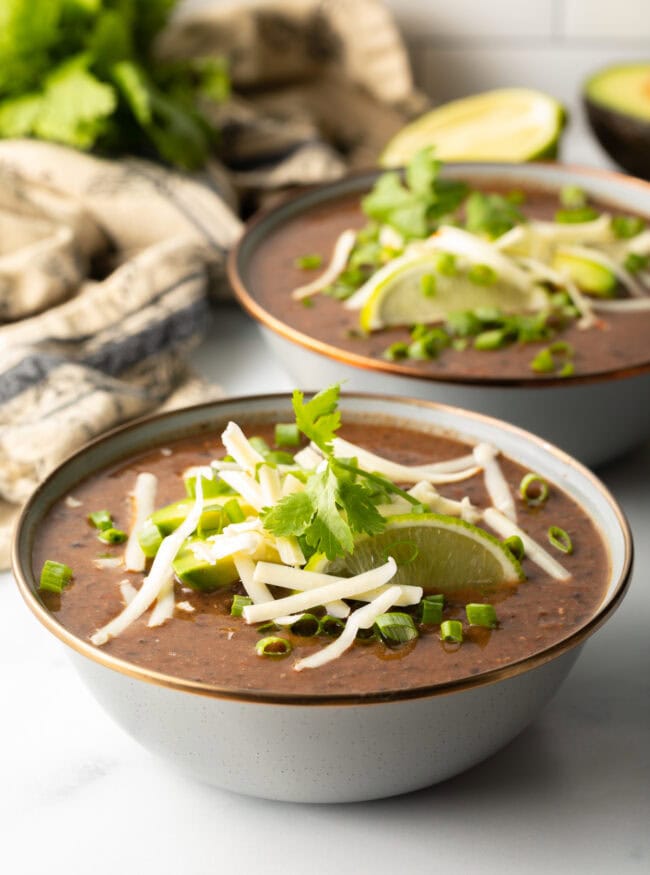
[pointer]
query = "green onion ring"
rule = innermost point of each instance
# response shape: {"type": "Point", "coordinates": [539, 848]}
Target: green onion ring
{"type": "Point", "coordinates": [560, 539]}
{"type": "Point", "coordinates": [273, 647]}
{"type": "Point", "coordinates": [541, 487]}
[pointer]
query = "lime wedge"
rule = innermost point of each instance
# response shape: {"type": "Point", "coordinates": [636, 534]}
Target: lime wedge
{"type": "Point", "coordinates": [439, 553]}
{"type": "Point", "coordinates": [510, 124]}
{"type": "Point", "coordinates": [406, 296]}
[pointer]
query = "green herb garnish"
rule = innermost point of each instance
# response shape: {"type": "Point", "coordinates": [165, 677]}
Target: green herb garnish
{"type": "Point", "coordinates": [308, 262]}
{"type": "Point", "coordinates": [339, 500]}
{"type": "Point", "coordinates": [491, 214]}
{"type": "Point", "coordinates": [414, 206]}
{"type": "Point", "coordinates": [86, 74]}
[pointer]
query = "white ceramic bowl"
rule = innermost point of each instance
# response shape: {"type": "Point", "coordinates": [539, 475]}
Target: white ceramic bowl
{"type": "Point", "coordinates": [593, 417]}
{"type": "Point", "coordinates": [325, 748]}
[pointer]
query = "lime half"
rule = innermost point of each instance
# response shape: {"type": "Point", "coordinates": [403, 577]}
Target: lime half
{"type": "Point", "coordinates": [408, 295]}
{"type": "Point", "coordinates": [439, 553]}
{"type": "Point", "coordinates": [510, 124]}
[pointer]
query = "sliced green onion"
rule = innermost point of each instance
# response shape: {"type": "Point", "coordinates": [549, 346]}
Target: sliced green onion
{"type": "Point", "coordinates": [366, 636]}
{"type": "Point", "coordinates": [149, 539]}
{"type": "Point", "coordinates": [533, 489]}
{"type": "Point", "coordinates": [273, 647]}
{"type": "Point", "coordinates": [239, 602]}
{"type": "Point", "coordinates": [55, 576]}
{"type": "Point", "coordinates": [482, 275]}
{"type": "Point", "coordinates": [463, 323]}
{"type": "Point", "coordinates": [572, 197]}
{"type": "Point", "coordinates": [543, 363]}
{"type": "Point", "coordinates": [625, 227]}
{"type": "Point", "coordinates": [635, 262]}
{"type": "Point", "coordinates": [100, 519]}
{"type": "Point", "coordinates": [307, 626]}
{"type": "Point", "coordinates": [267, 627]}
{"type": "Point", "coordinates": [560, 539]}
{"type": "Point", "coordinates": [279, 457]}
{"type": "Point", "coordinates": [331, 626]}
{"type": "Point", "coordinates": [546, 360]}
{"type": "Point", "coordinates": [481, 615]}
{"type": "Point", "coordinates": [396, 351]}
{"type": "Point", "coordinates": [396, 627]}
{"type": "Point", "coordinates": [258, 443]}
{"type": "Point", "coordinates": [445, 263]}
{"type": "Point", "coordinates": [287, 434]}
{"type": "Point", "coordinates": [428, 285]}
{"type": "Point", "coordinates": [576, 216]}
{"type": "Point", "coordinates": [516, 546]}
{"type": "Point", "coordinates": [308, 262]}
{"type": "Point", "coordinates": [496, 338]}
{"type": "Point", "coordinates": [567, 370]}
{"type": "Point", "coordinates": [233, 511]}
{"type": "Point", "coordinates": [112, 536]}
{"type": "Point", "coordinates": [430, 609]}
{"type": "Point", "coordinates": [451, 630]}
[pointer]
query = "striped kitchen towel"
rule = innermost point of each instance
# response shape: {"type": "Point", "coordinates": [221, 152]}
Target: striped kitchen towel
{"type": "Point", "coordinates": [108, 268]}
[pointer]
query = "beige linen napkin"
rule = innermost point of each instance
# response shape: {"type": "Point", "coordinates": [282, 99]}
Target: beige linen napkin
{"type": "Point", "coordinates": [107, 267]}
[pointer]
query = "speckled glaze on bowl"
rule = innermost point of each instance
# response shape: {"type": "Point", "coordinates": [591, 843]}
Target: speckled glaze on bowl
{"type": "Point", "coordinates": [593, 417]}
{"type": "Point", "coordinates": [323, 748]}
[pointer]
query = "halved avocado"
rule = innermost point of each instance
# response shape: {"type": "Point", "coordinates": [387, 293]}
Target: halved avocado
{"type": "Point", "coordinates": [617, 102]}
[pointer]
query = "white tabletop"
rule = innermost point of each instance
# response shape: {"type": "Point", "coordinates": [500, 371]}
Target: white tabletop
{"type": "Point", "coordinates": [571, 794]}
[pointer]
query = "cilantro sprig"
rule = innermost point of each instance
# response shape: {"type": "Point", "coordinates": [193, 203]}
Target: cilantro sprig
{"type": "Point", "coordinates": [415, 205]}
{"type": "Point", "coordinates": [340, 500]}
{"type": "Point", "coordinates": [85, 73]}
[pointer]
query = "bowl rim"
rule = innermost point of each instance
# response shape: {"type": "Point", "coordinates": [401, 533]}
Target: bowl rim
{"type": "Point", "coordinates": [27, 583]}
{"type": "Point", "coordinates": [367, 362]}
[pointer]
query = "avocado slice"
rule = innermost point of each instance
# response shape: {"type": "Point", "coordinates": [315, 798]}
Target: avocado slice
{"type": "Point", "coordinates": [200, 574]}
{"type": "Point", "coordinates": [617, 102]}
{"type": "Point", "coordinates": [591, 277]}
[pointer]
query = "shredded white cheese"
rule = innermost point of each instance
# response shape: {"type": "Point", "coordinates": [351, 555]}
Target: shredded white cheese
{"type": "Point", "coordinates": [240, 448]}
{"type": "Point", "coordinates": [246, 486]}
{"type": "Point", "coordinates": [505, 528]}
{"type": "Point", "coordinates": [164, 608]}
{"type": "Point", "coordinates": [401, 473]}
{"type": "Point", "coordinates": [159, 575]}
{"type": "Point", "coordinates": [342, 249]}
{"type": "Point", "coordinates": [339, 589]}
{"type": "Point", "coordinates": [128, 591]}
{"type": "Point", "coordinates": [73, 502]}
{"type": "Point", "coordinates": [255, 590]}
{"type": "Point", "coordinates": [425, 493]}
{"type": "Point", "coordinates": [362, 618]}
{"type": "Point", "coordinates": [144, 504]}
{"type": "Point", "coordinates": [186, 606]}
{"type": "Point", "coordinates": [495, 483]}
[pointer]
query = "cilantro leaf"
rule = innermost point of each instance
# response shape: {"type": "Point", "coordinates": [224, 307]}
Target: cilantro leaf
{"type": "Point", "coordinates": [362, 515]}
{"type": "Point", "coordinates": [290, 516]}
{"type": "Point", "coordinates": [75, 105]}
{"type": "Point", "coordinates": [414, 207]}
{"type": "Point", "coordinates": [491, 214]}
{"type": "Point", "coordinates": [73, 71]}
{"type": "Point", "coordinates": [319, 418]}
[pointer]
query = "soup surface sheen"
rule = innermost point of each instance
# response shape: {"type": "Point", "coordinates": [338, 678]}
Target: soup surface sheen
{"type": "Point", "coordinates": [210, 646]}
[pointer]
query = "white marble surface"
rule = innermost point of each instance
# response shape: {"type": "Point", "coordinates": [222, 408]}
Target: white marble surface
{"type": "Point", "coordinates": [570, 795]}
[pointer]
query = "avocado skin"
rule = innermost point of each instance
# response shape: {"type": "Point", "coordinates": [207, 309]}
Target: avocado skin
{"type": "Point", "coordinates": [624, 138]}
